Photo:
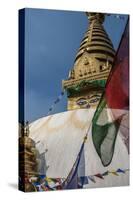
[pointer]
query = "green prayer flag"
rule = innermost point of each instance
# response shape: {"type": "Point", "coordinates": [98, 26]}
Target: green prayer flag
{"type": "Point", "coordinates": [104, 132]}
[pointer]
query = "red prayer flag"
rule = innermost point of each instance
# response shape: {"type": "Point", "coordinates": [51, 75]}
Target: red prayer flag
{"type": "Point", "coordinates": [117, 87]}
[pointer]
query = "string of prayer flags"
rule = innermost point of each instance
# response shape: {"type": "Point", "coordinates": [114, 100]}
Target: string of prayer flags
{"type": "Point", "coordinates": [57, 183]}
{"type": "Point", "coordinates": [120, 171]}
{"type": "Point", "coordinates": [105, 173]}
{"type": "Point", "coordinates": [55, 102]}
{"type": "Point", "coordinates": [114, 173]}
{"type": "Point", "coordinates": [92, 179]}
{"type": "Point", "coordinates": [99, 176]}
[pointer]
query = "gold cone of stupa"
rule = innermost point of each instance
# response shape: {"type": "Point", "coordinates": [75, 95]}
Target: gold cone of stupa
{"type": "Point", "coordinates": [92, 65]}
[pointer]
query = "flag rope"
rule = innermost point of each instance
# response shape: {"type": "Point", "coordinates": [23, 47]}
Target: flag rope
{"type": "Point", "coordinates": [58, 182]}
{"type": "Point", "coordinates": [55, 102]}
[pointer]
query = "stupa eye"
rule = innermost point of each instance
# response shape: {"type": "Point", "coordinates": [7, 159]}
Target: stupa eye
{"type": "Point", "coordinates": [82, 101]}
{"type": "Point", "coordinates": [94, 99]}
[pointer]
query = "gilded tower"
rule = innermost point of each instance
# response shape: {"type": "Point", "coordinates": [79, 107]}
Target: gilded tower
{"type": "Point", "coordinates": [94, 59]}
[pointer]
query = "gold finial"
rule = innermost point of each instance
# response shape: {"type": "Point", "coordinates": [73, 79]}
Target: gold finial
{"type": "Point", "coordinates": [95, 17]}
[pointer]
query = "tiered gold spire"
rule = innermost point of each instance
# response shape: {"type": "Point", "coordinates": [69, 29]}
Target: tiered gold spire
{"type": "Point", "coordinates": [92, 65]}
{"type": "Point", "coordinates": [96, 40]}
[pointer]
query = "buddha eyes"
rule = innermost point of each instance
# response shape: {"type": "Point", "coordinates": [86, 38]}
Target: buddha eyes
{"type": "Point", "coordinates": [82, 101]}
{"type": "Point", "coordinates": [90, 101]}
{"type": "Point", "coordinates": [94, 99]}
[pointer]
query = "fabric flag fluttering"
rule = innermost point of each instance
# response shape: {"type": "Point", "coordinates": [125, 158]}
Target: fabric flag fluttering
{"type": "Point", "coordinates": [114, 105]}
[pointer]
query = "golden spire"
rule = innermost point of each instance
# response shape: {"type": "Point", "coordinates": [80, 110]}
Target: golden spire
{"type": "Point", "coordinates": [96, 41]}
{"type": "Point", "coordinates": [92, 64]}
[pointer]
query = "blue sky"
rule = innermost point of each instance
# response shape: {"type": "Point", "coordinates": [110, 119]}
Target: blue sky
{"type": "Point", "coordinates": [52, 39]}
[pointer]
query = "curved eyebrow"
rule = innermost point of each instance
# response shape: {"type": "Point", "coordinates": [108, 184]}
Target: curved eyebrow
{"type": "Point", "coordinates": [95, 95]}
{"type": "Point", "coordinates": [82, 99]}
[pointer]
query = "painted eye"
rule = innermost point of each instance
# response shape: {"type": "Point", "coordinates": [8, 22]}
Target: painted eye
{"type": "Point", "coordinates": [94, 99]}
{"type": "Point", "coordinates": [82, 101]}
